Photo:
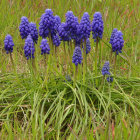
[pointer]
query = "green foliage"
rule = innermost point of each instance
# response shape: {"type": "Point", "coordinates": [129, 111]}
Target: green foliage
{"type": "Point", "coordinates": [34, 108]}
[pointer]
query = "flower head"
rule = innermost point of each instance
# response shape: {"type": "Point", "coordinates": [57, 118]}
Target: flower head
{"type": "Point", "coordinates": [57, 23]}
{"type": "Point", "coordinates": [97, 26]}
{"type": "Point", "coordinates": [56, 40]}
{"type": "Point", "coordinates": [113, 35]}
{"type": "Point", "coordinates": [24, 27]}
{"type": "Point", "coordinates": [63, 33]}
{"type": "Point", "coordinates": [88, 47]}
{"type": "Point", "coordinates": [47, 23]}
{"type": "Point", "coordinates": [118, 42]}
{"type": "Point", "coordinates": [85, 26]}
{"type": "Point", "coordinates": [45, 49]}
{"type": "Point", "coordinates": [109, 79]}
{"type": "Point", "coordinates": [29, 48]}
{"type": "Point", "coordinates": [105, 69]}
{"type": "Point", "coordinates": [33, 32]}
{"type": "Point", "coordinates": [71, 22]}
{"type": "Point", "coordinates": [8, 44]}
{"type": "Point", "coordinates": [77, 56]}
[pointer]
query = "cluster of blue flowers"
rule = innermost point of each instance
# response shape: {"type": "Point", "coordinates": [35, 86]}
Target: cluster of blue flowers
{"type": "Point", "coordinates": [33, 31]}
{"type": "Point", "coordinates": [116, 41]}
{"type": "Point", "coordinates": [71, 29]}
{"type": "Point", "coordinates": [8, 44]}
{"type": "Point", "coordinates": [77, 56]}
{"type": "Point", "coordinates": [24, 27]}
{"type": "Point", "coordinates": [106, 71]}
{"type": "Point", "coordinates": [45, 48]}
{"type": "Point", "coordinates": [29, 47]}
{"type": "Point", "coordinates": [97, 26]}
{"type": "Point", "coordinates": [47, 24]}
{"type": "Point", "coordinates": [85, 26]}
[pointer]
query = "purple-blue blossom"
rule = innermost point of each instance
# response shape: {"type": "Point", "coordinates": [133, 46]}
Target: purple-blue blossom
{"type": "Point", "coordinates": [57, 23]}
{"type": "Point", "coordinates": [109, 79]}
{"type": "Point", "coordinates": [8, 44]}
{"type": "Point", "coordinates": [105, 69]}
{"type": "Point", "coordinates": [24, 27]}
{"type": "Point", "coordinates": [72, 23]}
{"type": "Point", "coordinates": [88, 47]}
{"type": "Point", "coordinates": [56, 40]}
{"type": "Point", "coordinates": [29, 47]}
{"type": "Point", "coordinates": [77, 56]}
{"type": "Point", "coordinates": [113, 35]}
{"type": "Point", "coordinates": [46, 24]}
{"type": "Point", "coordinates": [45, 48]}
{"type": "Point", "coordinates": [85, 26]}
{"type": "Point", "coordinates": [63, 33]}
{"type": "Point", "coordinates": [97, 26]}
{"type": "Point", "coordinates": [118, 42]}
{"type": "Point", "coordinates": [33, 31]}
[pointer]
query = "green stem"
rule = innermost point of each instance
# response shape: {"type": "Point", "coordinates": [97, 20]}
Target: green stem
{"type": "Point", "coordinates": [84, 61]}
{"type": "Point", "coordinates": [75, 75]}
{"type": "Point", "coordinates": [96, 53]}
{"type": "Point", "coordinates": [12, 61]}
{"type": "Point", "coordinates": [102, 83]}
{"type": "Point", "coordinates": [65, 58]}
{"type": "Point", "coordinates": [111, 56]}
{"type": "Point", "coordinates": [115, 64]}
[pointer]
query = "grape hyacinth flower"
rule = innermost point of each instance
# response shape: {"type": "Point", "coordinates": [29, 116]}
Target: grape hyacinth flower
{"type": "Point", "coordinates": [33, 31]}
{"type": "Point", "coordinates": [47, 23]}
{"type": "Point", "coordinates": [45, 49]}
{"type": "Point", "coordinates": [56, 40]}
{"type": "Point", "coordinates": [8, 44]}
{"type": "Point", "coordinates": [64, 35]}
{"type": "Point", "coordinates": [29, 48]}
{"type": "Point", "coordinates": [105, 69]}
{"type": "Point", "coordinates": [113, 35]}
{"type": "Point", "coordinates": [110, 79]}
{"type": "Point", "coordinates": [85, 26]}
{"type": "Point", "coordinates": [57, 23]}
{"type": "Point", "coordinates": [24, 27]}
{"type": "Point", "coordinates": [97, 26]}
{"type": "Point", "coordinates": [71, 22]}
{"type": "Point", "coordinates": [88, 47]}
{"type": "Point", "coordinates": [118, 42]}
{"type": "Point", "coordinates": [77, 56]}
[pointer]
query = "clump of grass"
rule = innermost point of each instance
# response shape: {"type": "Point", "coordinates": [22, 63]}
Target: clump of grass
{"type": "Point", "coordinates": [67, 108]}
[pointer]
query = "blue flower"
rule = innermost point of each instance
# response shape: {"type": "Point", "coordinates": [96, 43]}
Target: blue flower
{"type": "Point", "coordinates": [105, 69]}
{"type": "Point", "coordinates": [8, 44]}
{"type": "Point", "coordinates": [33, 32]}
{"type": "Point", "coordinates": [56, 40]}
{"type": "Point", "coordinates": [57, 23]}
{"type": "Point", "coordinates": [63, 33]}
{"type": "Point", "coordinates": [78, 36]}
{"type": "Point", "coordinates": [45, 49]}
{"type": "Point", "coordinates": [88, 47]}
{"type": "Point", "coordinates": [109, 79]}
{"type": "Point", "coordinates": [113, 35]}
{"type": "Point", "coordinates": [47, 23]}
{"type": "Point", "coordinates": [77, 56]}
{"type": "Point", "coordinates": [71, 22]}
{"type": "Point", "coordinates": [29, 48]}
{"type": "Point", "coordinates": [24, 27]}
{"type": "Point", "coordinates": [85, 27]}
{"type": "Point", "coordinates": [118, 42]}
{"type": "Point", "coordinates": [97, 26]}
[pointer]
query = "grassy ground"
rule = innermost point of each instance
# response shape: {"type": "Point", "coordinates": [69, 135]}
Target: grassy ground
{"type": "Point", "coordinates": [30, 108]}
